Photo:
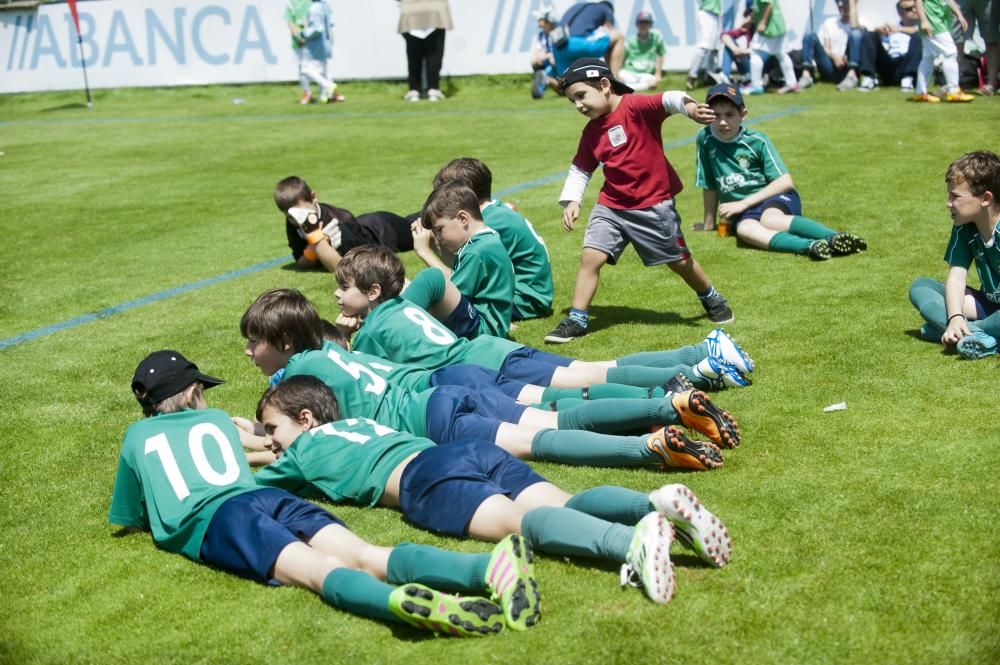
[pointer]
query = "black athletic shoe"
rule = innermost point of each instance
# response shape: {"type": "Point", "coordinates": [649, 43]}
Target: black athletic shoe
{"type": "Point", "coordinates": [567, 330]}
{"type": "Point", "coordinates": [819, 250]}
{"type": "Point", "coordinates": [678, 384]}
{"type": "Point", "coordinates": [718, 309]}
{"type": "Point", "coordinates": [842, 244]}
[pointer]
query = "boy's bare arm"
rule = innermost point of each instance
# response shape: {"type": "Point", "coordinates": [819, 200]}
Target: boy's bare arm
{"type": "Point", "coordinates": [252, 434]}
{"type": "Point", "coordinates": [954, 301]}
{"type": "Point", "coordinates": [422, 247]}
{"type": "Point", "coordinates": [925, 25]}
{"type": "Point", "coordinates": [710, 198]}
{"type": "Point", "coordinates": [777, 186]}
{"type": "Point", "coordinates": [765, 16]}
{"type": "Point", "coordinates": [957, 11]}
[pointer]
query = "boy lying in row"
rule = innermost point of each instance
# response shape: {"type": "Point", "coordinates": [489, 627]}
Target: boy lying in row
{"type": "Point", "coordinates": [182, 475]}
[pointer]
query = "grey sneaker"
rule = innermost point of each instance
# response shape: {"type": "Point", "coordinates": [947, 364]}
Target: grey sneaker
{"type": "Point", "coordinates": [718, 309]}
{"type": "Point", "coordinates": [849, 83]}
{"type": "Point", "coordinates": [567, 330]}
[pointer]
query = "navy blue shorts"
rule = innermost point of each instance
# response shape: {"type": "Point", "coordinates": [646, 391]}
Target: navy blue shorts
{"type": "Point", "coordinates": [455, 412]}
{"type": "Point", "coordinates": [530, 365]}
{"type": "Point", "coordinates": [789, 203]}
{"type": "Point", "coordinates": [442, 487]}
{"type": "Point", "coordinates": [984, 306]}
{"type": "Point", "coordinates": [248, 531]}
{"type": "Point", "coordinates": [476, 378]}
{"type": "Point", "coordinates": [463, 320]}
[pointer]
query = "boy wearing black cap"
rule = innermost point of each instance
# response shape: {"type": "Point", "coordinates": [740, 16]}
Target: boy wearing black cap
{"type": "Point", "coordinates": [182, 474]}
{"type": "Point", "coordinates": [636, 203]}
{"type": "Point", "coordinates": [744, 178]}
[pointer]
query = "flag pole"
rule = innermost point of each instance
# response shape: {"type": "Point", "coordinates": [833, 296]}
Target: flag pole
{"type": "Point", "coordinates": [79, 41]}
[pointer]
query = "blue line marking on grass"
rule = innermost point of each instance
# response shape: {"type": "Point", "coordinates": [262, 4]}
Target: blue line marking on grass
{"type": "Point", "coordinates": [257, 267]}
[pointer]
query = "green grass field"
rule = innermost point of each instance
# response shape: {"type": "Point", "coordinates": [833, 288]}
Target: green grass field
{"type": "Point", "coordinates": [861, 536]}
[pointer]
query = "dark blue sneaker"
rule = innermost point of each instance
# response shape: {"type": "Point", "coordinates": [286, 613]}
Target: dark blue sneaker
{"type": "Point", "coordinates": [567, 330]}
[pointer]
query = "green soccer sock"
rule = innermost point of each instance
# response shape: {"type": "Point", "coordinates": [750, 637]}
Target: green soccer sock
{"type": "Point", "coordinates": [647, 377]}
{"type": "Point", "coordinates": [437, 568]}
{"type": "Point", "coordinates": [427, 288]}
{"type": "Point", "coordinates": [927, 295]}
{"type": "Point", "coordinates": [601, 391]}
{"type": "Point", "coordinates": [788, 243]}
{"type": "Point", "coordinates": [569, 532]}
{"type": "Point", "coordinates": [804, 227]}
{"type": "Point", "coordinates": [685, 355]}
{"type": "Point", "coordinates": [591, 449]}
{"type": "Point", "coordinates": [696, 379]}
{"type": "Point", "coordinates": [611, 503]}
{"type": "Point", "coordinates": [359, 593]}
{"type": "Point", "coordinates": [617, 415]}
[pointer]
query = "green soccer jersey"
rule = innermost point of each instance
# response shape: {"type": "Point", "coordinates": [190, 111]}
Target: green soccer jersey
{"type": "Point", "coordinates": [297, 12]}
{"type": "Point", "coordinates": [713, 6]}
{"type": "Point", "coordinates": [485, 275]}
{"type": "Point", "coordinates": [737, 168]}
{"type": "Point", "coordinates": [939, 14]}
{"type": "Point", "coordinates": [640, 57]}
{"type": "Point", "coordinates": [775, 24]}
{"type": "Point", "coordinates": [966, 246]}
{"type": "Point", "coordinates": [174, 472]}
{"type": "Point", "coordinates": [403, 332]}
{"type": "Point", "coordinates": [361, 390]}
{"type": "Point", "coordinates": [347, 460]}
{"type": "Point", "coordinates": [533, 290]}
{"type": "Point", "coordinates": [404, 375]}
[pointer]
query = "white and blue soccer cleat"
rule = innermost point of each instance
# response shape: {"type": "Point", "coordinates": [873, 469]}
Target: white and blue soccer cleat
{"type": "Point", "coordinates": [977, 345]}
{"type": "Point", "coordinates": [721, 374]}
{"type": "Point", "coordinates": [723, 347]}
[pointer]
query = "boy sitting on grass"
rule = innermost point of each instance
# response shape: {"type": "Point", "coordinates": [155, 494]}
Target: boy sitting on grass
{"type": "Point", "coordinates": [742, 169]}
{"type": "Point", "coordinates": [956, 313]}
{"type": "Point", "coordinates": [319, 234]}
{"type": "Point", "coordinates": [533, 290]}
{"type": "Point", "coordinates": [475, 296]}
{"type": "Point", "coordinates": [182, 475]}
{"type": "Point", "coordinates": [474, 489]}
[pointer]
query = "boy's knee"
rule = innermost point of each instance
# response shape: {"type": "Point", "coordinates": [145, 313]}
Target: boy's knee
{"type": "Point", "coordinates": [923, 283]}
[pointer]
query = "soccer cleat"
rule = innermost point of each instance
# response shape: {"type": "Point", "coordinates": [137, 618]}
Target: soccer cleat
{"type": "Point", "coordinates": [958, 97]}
{"type": "Point", "coordinates": [678, 384]}
{"type": "Point", "coordinates": [819, 250]}
{"type": "Point", "coordinates": [721, 374]}
{"type": "Point", "coordinates": [977, 345]}
{"type": "Point", "coordinates": [723, 347]}
{"type": "Point", "coordinates": [538, 83]}
{"type": "Point", "coordinates": [567, 330]}
{"type": "Point", "coordinates": [428, 609]}
{"type": "Point", "coordinates": [306, 97]}
{"type": "Point", "coordinates": [926, 97]}
{"type": "Point", "coordinates": [647, 564]}
{"type": "Point", "coordinates": [679, 452]}
{"type": "Point", "coordinates": [697, 412]}
{"type": "Point", "coordinates": [842, 244]}
{"type": "Point", "coordinates": [693, 524]}
{"type": "Point", "coordinates": [717, 308]}
{"type": "Point", "coordinates": [510, 577]}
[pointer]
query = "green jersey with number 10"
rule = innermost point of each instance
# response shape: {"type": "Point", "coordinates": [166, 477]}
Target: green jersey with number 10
{"type": "Point", "coordinates": [174, 471]}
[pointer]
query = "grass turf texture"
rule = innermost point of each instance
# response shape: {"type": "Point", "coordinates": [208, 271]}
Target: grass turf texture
{"type": "Point", "coordinates": [861, 535]}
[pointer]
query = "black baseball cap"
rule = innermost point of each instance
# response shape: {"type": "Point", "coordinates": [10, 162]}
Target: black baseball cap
{"type": "Point", "coordinates": [163, 374]}
{"type": "Point", "coordinates": [727, 90]}
{"type": "Point", "coordinates": [591, 69]}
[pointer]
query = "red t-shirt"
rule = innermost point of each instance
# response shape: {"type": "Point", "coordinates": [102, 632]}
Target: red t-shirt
{"type": "Point", "coordinates": [628, 143]}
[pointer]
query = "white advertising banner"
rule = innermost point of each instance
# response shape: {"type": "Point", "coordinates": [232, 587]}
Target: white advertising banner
{"type": "Point", "coordinates": [194, 42]}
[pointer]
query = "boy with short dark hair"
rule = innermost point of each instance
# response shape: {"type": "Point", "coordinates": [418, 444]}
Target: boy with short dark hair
{"type": "Point", "coordinates": [636, 203]}
{"type": "Point", "coordinates": [956, 313]}
{"type": "Point", "coordinates": [474, 296]}
{"type": "Point", "coordinates": [474, 489]}
{"type": "Point", "coordinates": [743, 177]}
{"type": "Point", "coordinates": [182, 475]}
{"type": "Point", "coordinates": [319, 233]}
{"type": "Point", "coordinates": [533, 290]}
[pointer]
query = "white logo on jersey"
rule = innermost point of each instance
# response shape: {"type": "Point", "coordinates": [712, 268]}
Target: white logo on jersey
{"type": "Point", "coordinates": [744, 162]}
{"type": "Point", "coordinates": [617, 136]}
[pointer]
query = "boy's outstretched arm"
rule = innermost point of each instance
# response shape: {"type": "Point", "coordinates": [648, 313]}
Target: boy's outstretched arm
{"type": "Point", "coordinates": [954, 302]}
{"type": "Point", "coordinates": [779, 185]}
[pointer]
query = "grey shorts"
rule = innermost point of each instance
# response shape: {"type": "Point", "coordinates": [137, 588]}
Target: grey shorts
{"type": "Point", "coordinates": [655, 232]}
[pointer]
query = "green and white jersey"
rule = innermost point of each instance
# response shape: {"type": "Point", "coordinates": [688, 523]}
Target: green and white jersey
{"type": "Point", "coordinates": [640, 57]}
{"type": "Point", "coordinates": [347, 460]}
{"type": "Point", "coordinates": [533, 289]}
{"type": "Point", "coordinates": [939, 14]}
{"type": "Point", "coordinates": [297, 12]}
{"type": "Point", "coordinates": [403, 332]}
{"type": "Point", "coordinates": [485, 275]}
{"type": "Point", "coordinates": [174, 472]}
{"type": "Point", "coordinates": [737, 168]}
{"type": "Point", "coordinates": [775, 24]}
{"type": "Point", "coordinates": [404, 375]}
{"type": "Point", "coordinates": [361, 390]}
{"type": "Point", "coordinates": [966, 246]}
{"type": "Point", "coordinates": [713, 6]}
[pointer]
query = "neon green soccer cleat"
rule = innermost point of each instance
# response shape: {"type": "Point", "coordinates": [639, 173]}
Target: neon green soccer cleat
{"type": "Point", "coordinates": [510, 577]}
{"type": "Point", "coordinates": [427, 609]}
{"type": "Point", "coordinates": [647, 564]}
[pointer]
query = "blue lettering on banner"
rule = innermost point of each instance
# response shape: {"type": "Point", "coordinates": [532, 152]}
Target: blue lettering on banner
{"type": "Point", "coordinates": [34, 44]}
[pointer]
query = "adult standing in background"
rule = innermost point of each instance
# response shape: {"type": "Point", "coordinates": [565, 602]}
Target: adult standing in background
{"type": "Point", "coordinates": [422, 24]}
